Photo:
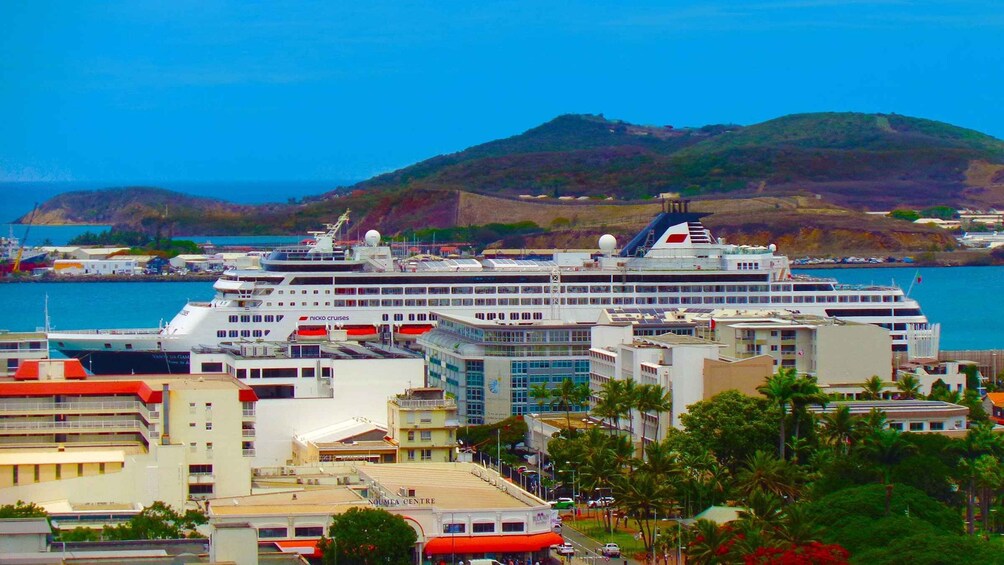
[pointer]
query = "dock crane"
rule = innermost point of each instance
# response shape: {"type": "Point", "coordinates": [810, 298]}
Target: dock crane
{"type": "Point", "coordinates": [20, 250]}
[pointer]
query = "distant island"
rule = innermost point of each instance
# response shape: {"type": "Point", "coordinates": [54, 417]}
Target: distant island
{"type": "Point", "coordinates": [803, 182]}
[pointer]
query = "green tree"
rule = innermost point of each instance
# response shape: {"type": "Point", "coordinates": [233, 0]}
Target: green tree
{"type": "Point", "coordinates": [837, 429]}
{"type": "Point", "coordinates": [872, 388]}
{"type": "Point", "coordinates": [780, 388]}
{"type": "Point", "coordinates": [22, 509]}
{"type": "Point", "coordinates": [653, 398]}
{"type": "Point", "coordinates": [644, 496]}
{"type": "Point", "coordinates": [903, 214]}
{"type": "Point", "coordinates": [540, 394]}
{"type": "Point", "coordinates": [364, 536]}
{"type": "Point", "coordinates": [885, 448]}
{"type": "Point", "coordinates": [767, 473]}
{"type": "Point", "coordinates": [908, 387]}
{"type": "Point", "coordinates": [979, 441]}
{"type": "Point", "coordinates": [157, 521]}
{"type": "Point", "coordinates": [732, 425]}
{"type": "Point", "coordinates": [567, 396]}
{"type": "Point", "coordinates": [611, 403]}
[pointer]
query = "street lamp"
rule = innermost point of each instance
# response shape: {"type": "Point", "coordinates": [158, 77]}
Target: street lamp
{"type": "Point", "coordinates": [539, 442]}
{"type": "Point", "coordinates": [575, 498]}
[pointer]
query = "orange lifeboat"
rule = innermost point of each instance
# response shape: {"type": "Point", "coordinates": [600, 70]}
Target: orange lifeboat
{"type": "Point", "coordinates": [412, 331]}
{"type": "Point", "coordinates": [360, 332]}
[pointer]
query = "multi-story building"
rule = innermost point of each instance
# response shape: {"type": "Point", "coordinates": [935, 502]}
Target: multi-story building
{"type": "Point", "coordinates": [691, 369]}
{"type": "Point", "coordinates": [77, 438]}
{"type": "Point", "coordinates": [311, 383]}
{"type": "Point", "coordinates": [918, 416]}
{"type": "Point", "coordinates": [459, 511]}
{"type": "Point", "coordinates": [840, 354]}
{"type": "Point", "coordinates": [423, 423]}
{"type": "Point", "coordinates": [16, 347]}
{"type": "Point", "coordinates": [489, 366]}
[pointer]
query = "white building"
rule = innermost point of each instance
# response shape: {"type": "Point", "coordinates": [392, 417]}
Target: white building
{"type": "Point", "coordinates": [916, 416]}
{"type": "Point", "coordinates": [306, 385]}
{"type": "Point", "coordinates": [689, 368]}
{"type": "Point", "coordinates": [123, 265]}
{"type": "Point", "coordinates": [18, 347]}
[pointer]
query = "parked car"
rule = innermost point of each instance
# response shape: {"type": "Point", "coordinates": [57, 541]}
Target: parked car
{"type": "Point", "coordinates": [562, 504]}
{"type": "Point", "coordinates": [566, 549]}
{"type": "Point", "coordinates": [610, 550]}
{"type": "Point", "coordinates": [601, 502]}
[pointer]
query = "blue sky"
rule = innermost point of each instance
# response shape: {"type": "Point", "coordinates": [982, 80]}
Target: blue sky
{"type": "Point", "coordinates": [209, 91]}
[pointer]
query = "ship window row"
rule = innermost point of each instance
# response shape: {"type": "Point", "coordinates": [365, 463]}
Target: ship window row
{"type": "Point", "coordinates": [242, 333]}
{"type": "Point", "coordinates": [255, 318]}
{"type": "Point", "coordinates": [539, 278]}
{"type": "Point", "coordinates": [565, 289]}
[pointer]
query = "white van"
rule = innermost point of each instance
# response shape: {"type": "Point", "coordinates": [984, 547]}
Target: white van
{"type": "Point", "coordinates": [483, 562]}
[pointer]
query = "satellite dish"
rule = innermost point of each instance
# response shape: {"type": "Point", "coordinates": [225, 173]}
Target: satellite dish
{"type": "Point", "coordinates": [372, 238]}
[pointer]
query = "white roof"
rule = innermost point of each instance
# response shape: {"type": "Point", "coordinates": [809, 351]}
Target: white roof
{"type": "Point", "coordinates": [340, 431]}
{"type": "Point", "coordinates": [62, 457]}
{"type": "Point", "coordinates": [16, 526]}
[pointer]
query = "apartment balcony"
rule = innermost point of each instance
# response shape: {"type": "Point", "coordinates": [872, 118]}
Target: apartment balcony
{"type": "Point", "coordinates": [80, 407]}
{"type": "Point", "coordinates": [200, 479]}
{"type": "Point", "coordinates": [80, 427]}
{"type": "Point", "coordinates": [248, 414]}
{"type": "Point", "coordinates": [248, 452]}
{"type": "Point", "coordinates": [416, 404]}
{"type": "Point", "coordinates": [247, 432]}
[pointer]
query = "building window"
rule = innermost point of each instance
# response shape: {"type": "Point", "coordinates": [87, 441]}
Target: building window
{"type": "Point", "coordinates": [916, 426]}
{"type": "Point", "coordinates": [272, 532]}
{"type": "Point", "coordinates": [896, 426]}
{"type": "Point", "coordinates": [309, 531]}
{"type": "Point", "coordinates": [426, 455]}
{"type": "Point", "coordinates": [936, 426]}
{"type": "Point", "coordinates": [426, 435]}
{"type": "Point", "coordinates": [209, 426]}
{"type": "Point", "coordinates": [200, 469]}
{"type": "Point", "coordinates": [482, 528]}
{"type": "Point", "coordinates": [411, 436]}
{"type": "Point", "coordinates": [513, 526]}
{"type": "Point", "coordinates": [411, 455]}
{"type": "Point", "coordinates": [453, 528]}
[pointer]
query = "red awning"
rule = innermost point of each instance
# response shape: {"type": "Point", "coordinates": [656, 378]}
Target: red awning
{"type": "Point", "coordinates": [360, 330]}
{"type": "Point", "coordinates": [414, 330]}
{"type": "Point", "coordinates": [492, 544]}
{"type": "Point", "coordinates": [306, 547]}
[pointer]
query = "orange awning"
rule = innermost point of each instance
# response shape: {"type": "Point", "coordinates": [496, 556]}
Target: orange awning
{"type": "Point", "coordinates": [492, 544]}
{"type": "Point", "coordinates": [306, 547]}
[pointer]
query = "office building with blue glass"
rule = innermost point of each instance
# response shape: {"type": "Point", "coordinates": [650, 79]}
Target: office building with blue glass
{"type": "Point", "coordinates": [490, 366]}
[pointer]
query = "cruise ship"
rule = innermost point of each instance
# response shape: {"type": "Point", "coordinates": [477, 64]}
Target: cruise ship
{"type": "Point", "coordinates": [368, 293]}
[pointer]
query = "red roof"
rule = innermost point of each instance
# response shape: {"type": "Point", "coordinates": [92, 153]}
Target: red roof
{"type": "Point", "coordinates": [87, 388]}
{"type": "Point", "coordinates": [514, 543]}
{"type": "Point", "coordinates": [29, 369]}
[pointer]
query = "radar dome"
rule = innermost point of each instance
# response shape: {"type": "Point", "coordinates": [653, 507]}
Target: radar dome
{"type": "Point", "coordinates": [372, 238]}
{"type": "Point", "coordinates": [772, 247]}
{"type": "Point", "coordinates": [607, 243]}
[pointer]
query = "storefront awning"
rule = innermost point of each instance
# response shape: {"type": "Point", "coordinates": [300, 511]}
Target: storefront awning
{"type": "Point", "coordinates": [306, 547]}
{"type": "Point", "coordinates": [492, 544]}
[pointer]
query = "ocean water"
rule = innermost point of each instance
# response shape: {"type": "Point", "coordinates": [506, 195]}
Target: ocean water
{"type": "Point", "coordinates": [964, 300]}
{"type": "Point", "coordinates": [18, 198]}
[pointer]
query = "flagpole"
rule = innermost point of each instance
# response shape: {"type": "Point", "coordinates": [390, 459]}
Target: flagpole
{"type": "Point", "coordinates": [914, 280]}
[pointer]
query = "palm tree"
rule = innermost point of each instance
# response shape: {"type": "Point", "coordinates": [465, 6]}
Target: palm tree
{"type": "Point", "coordinates": [797, 526]}
{"type": "Point", "coordinates": [630, 399]}
{"type": "Point", "coordinates": [568, 395]}
{"type": "Point", "coordinates": [541, 394]}
{"type": "Point", "coordinates": [872, 388]}
{"type": "Point", "coordinates": [909, 387]}
{"type": "Point", "coordinates": [807, 392]}
{"type": "Point", "coordinates": [871, 424]}
{"type": "Point", "coordinates": [653, 398]}
{"type": "Point", "coordinates": [780, 388]}
{"type": "Point", "coordinates": [644, 497]}
{"type": "Point", "coordinates": [610, 405]}
{"type": "Point", "coordinates": [886, 448]}
{"type": "Point", "coordinates": [762, 511]}
{"type": "Point", "coordinates": [766, 473]}
{"type": "Point", "coordinates": [980, 440]}
{"type": "Point", "coordinates": [837, 429]}
{"type": "Point", "coordinates": [711, 544]}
